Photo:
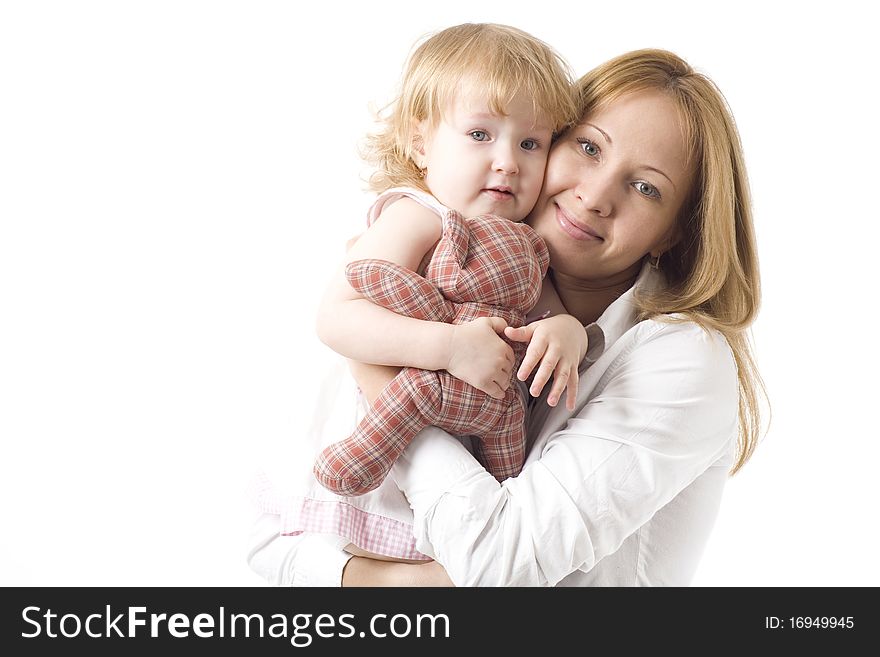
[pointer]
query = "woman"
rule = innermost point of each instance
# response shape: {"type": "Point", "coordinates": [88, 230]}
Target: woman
{"type": "Point", "coordinates": [645, 210]}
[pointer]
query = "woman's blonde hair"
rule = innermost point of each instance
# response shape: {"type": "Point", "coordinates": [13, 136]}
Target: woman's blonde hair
{"type": "Point", "coordinates": [712, 270]}
{"type": "Point", "coordinates": [501, 60]}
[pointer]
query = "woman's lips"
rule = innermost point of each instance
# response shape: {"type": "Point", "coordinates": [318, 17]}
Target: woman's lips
{"type": "Point", "coordinates": [575, 230]}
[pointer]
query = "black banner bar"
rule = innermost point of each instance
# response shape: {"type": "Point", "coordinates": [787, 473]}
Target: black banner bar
{"type": "Point", "coordinates": [100, 621]}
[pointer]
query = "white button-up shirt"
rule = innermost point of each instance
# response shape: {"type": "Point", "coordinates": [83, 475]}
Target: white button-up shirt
{"type": "Point", "coordinates": [623, 491]}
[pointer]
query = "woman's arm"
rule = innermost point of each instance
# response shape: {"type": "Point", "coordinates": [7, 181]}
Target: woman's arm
{"type": "Point", "coordinates": [361, 330]}
{"type": "Point", "coordinates": [361, 571]}
{"type": "Point", "coordinates": [667, 411]}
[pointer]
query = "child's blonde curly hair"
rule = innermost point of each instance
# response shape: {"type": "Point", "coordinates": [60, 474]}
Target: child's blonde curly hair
{"type": "Point", "coordinates": [500, 59]}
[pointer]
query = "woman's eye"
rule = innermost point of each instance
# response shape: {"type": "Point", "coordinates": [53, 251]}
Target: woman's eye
{"type": "Point", "coordinates": [529, 145]}
{"type": "Point", "coordinates": [589, 147]}
{"type": "Point", "coordinates": [478, 135]}
{"type": "Point", "coordinates": [646, 189]}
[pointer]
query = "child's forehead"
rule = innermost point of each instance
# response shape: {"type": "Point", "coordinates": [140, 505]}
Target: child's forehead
{"type": "Point", "coordinates": [475, 101]}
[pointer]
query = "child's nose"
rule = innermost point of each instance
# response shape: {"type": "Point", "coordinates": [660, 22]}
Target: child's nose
{"type": "Point", "coordinates": [505, 160]}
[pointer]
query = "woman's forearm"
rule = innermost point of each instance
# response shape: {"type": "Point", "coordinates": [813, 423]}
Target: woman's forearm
{"type": "Point", "coordinates": [361, 571]}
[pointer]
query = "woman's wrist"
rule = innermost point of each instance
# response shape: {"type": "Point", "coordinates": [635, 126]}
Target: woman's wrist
{"type": "Point", "coordinates": [362, 571]}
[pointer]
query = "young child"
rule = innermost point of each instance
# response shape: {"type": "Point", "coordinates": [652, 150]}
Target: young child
{"type": "Point", "coordinates": [470, 132]}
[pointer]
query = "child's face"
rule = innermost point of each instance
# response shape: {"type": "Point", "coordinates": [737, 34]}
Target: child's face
{"type": "Point", "coordinates": [479, 162]}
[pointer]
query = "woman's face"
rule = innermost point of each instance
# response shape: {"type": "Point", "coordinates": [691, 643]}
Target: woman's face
{"type": "Point", "coordinates": [613, 188]}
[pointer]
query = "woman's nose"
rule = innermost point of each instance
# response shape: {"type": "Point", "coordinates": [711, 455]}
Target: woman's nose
{"type": "Point", "coordinates": [597, 194]}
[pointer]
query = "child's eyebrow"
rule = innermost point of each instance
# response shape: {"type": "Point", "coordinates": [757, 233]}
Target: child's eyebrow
{"type": "Point", "coordinates": [481, 115]}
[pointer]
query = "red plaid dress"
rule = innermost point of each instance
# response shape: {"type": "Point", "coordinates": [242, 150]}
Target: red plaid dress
{"type": "Point", "coordinates": [486, 266]}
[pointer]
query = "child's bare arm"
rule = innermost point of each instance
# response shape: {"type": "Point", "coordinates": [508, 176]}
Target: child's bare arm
{"type": "Point", "coordinates": [360, 330]}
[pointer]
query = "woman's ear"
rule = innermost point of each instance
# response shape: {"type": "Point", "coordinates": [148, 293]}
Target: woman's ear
{"type": "Point", "coordinates": [673, 238]}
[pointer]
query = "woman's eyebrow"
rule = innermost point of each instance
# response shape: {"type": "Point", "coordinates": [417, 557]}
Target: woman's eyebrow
{"type": "Point", "coordinates": [604, 134]}
{"type": "Point", "coordinates": [644, 166]}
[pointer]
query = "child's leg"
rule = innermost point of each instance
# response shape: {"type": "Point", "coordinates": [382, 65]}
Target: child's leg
{"type": "Point", "coordinates": [503, 449]}
{"type": "Point", "coordinates": [360, 463]}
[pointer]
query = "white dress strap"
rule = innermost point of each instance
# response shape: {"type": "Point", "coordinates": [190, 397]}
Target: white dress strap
{"type": "Point", "coordinates": [389, 196]}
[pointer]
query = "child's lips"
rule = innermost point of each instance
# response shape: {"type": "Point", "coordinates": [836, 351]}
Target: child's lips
{"type": "Point", "coordinates": [499, 193]}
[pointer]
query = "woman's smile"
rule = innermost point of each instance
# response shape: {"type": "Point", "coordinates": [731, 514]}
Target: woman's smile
{"type": "Point", "coordinates": [575, 229]}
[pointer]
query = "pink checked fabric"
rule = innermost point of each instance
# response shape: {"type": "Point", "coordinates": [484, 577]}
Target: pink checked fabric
{"type": "Point", "coordinates": [486, 266]}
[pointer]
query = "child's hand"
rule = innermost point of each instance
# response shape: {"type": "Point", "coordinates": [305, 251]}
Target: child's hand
{"type": "Point", "coordinates": [478, 355]}
{"type": "Point", "coordinates": [560, 344]}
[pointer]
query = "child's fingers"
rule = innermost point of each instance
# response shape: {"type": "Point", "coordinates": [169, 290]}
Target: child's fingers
{"type": "Point", "coordinates": [530, 360]}
{"type": "Point", "coordinates": [521, 334]}
{"type": "Point", "coordinates": [493, 390]}
{"type": "Point", "coordinates": [545, 371]}
{"type": "Point", "coordinates": [560, 381]}
{"type": "Point", "coordinates": [526, 367]}
{"type": "Point", "coordinates": [571, 389]}
{"type": "Point", "coordinates": [498, 324]}
{"type": "Point", "coordinates": [502, 380]}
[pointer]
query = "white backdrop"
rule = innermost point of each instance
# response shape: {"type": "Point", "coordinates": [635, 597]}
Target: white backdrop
{"type": "Point", "coordinates": [177, 180]}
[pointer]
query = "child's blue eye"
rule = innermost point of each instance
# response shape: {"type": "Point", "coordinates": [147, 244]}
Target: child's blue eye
{"type": "Point", "coordinates": [478, 135]}
{"type": "Point", "coordinates": [646, 189]}
{"type": "Point", "coordinates": [589, 146]}
{"type": "Point", "coordinates": [529, 145]}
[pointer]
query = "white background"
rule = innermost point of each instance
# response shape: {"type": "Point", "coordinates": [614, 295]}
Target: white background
{"type": "Point", "coordinates": [176, 183]}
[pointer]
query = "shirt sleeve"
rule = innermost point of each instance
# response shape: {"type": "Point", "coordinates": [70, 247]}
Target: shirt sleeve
{"type": "Point", "coordinates": [665, 410]}
{"type": "Point", "coordinates": [299, 561]}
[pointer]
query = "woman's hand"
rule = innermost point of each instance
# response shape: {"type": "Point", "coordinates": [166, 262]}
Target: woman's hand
{"type": "Point", "coordinates": [362, 571]}
{"type": "Point", "coordinates": [559, 344]}
{"type": "Point", "coordinates": [478, 355]}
